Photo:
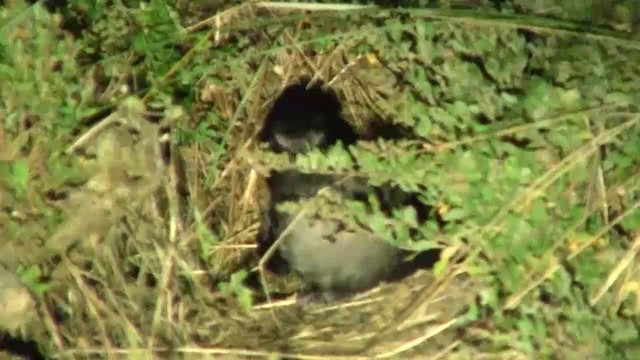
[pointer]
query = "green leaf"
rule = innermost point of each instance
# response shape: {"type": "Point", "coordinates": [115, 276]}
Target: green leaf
{"type": "Point", "coordinates": [408, 215]}
{"type": "Point", "coordinates": [619, 98]}
{"type": "Point", "coordinates": [539, 212]}
{"type": "Point", "coordinates": [632, 221]}
{"type": "Point", "coordinates": [236, 288]}
{"type": "Point", "coordinates": [473, 313]}
{"type": "Point", "coordinates": [455, 214]}
{"type": "Point", "coordinates": [440, 266]}
{"type": "Point", "coordinates": [18, 178]}
{"type": "Point", "coordinates": [31, 277]}
{"type": "Point", "coordinates": [338, 158]}
{"type": "Point", "coordinates": [537, 98]}
{"type": "Point", "coordinates": [139, 43]}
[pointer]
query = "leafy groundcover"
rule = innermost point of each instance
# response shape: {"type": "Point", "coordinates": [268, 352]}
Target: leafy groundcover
{"type": "Point", "coordinates": [522, 133]}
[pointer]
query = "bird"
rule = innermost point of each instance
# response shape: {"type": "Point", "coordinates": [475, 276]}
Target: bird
{"type": "Point", "coordinates": [304, 117]}
{"type": "Point", "coordinates": [332, 261]}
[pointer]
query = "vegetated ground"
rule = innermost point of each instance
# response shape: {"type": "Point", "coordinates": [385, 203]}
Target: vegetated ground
{"type": "Point", "coordinates": [523, 135]}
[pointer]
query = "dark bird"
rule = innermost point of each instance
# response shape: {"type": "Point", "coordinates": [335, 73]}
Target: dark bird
{"type": "Point", "coordinates": [302, 118]}
{"type": "Point", "coordinates": [328, 258]}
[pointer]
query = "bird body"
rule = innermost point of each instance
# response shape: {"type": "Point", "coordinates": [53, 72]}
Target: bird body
{"type": "Point", "coordinates": [322, 251]}
{"type": "Point", "coordinates": [303, 118]}
{"type": "Point", "coordinates": [337, 262]}
{"type": "Point", "coordinates": [325, 254]}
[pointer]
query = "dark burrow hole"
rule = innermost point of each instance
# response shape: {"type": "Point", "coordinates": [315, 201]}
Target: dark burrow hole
{"type": "Point", "coordinates": [301, 108]}
{"type": "Point", "coordinates": [26, 349]}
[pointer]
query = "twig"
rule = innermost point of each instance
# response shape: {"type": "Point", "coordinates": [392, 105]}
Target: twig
{"type": "Point", "coordinates": [311, 6]}
{"type": "Point", "coordinates": [615, 273]}
{"type": "Point", "coordinates": [417, 341]}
